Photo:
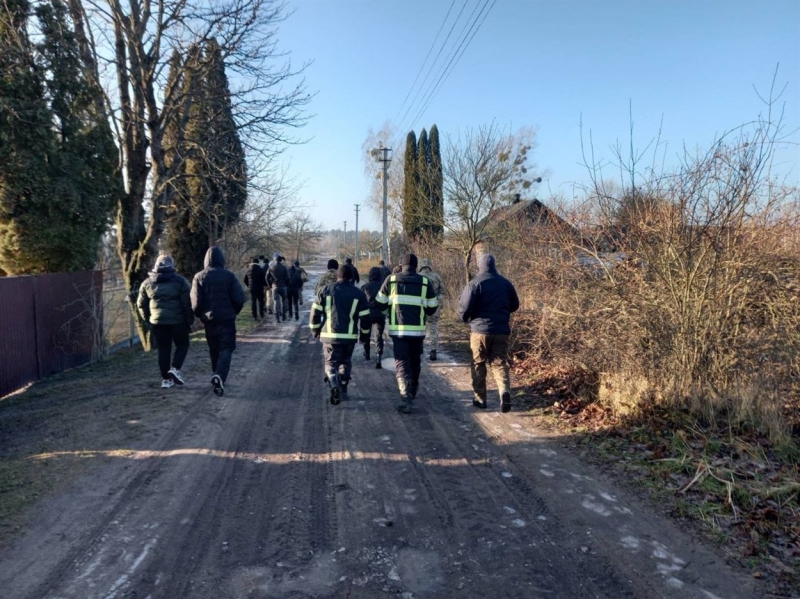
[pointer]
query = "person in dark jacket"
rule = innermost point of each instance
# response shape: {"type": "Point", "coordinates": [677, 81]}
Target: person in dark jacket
{"type": "Point", "coordinates": [340, 317]}
{"type": "Point", "coordinates": [329, 277]}
{"type": "Point", "coordinates": [304, 277]}
{"type": "Point", "coordinates": [356, 278]}
{"type": "Point", "coordinates": [278, 280]}
{"type": "Point", "coordinates": [377, 317]}
{"type": "Point", "coordinates": [385, 270]}
{"type": "Point", "coordinates": [410, 299]}
{"type": "Point", "coordinates": [486, 304]}
{"type": "Point", "coordinates": [217, 297]}
{"type": "Point", "coordinates": [293, 290]}
{"type": "Point", "coordinates": [255, 280]}
{"type": "Point", "coordinates": [164, 302]}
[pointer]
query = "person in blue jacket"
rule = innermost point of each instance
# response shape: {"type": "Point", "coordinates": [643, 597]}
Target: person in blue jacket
{"type": "Point", "coordinates": [486, 305]}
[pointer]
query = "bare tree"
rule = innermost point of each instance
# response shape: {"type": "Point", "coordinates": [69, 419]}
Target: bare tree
{"type": "Point", "coordinates": [301, 233]}
{"type": "Point", "coordinates": [134, 42]}
{"type": "Point", "coordinates": [482, 171]}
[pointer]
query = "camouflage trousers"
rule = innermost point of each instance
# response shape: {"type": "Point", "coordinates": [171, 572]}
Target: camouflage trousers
{"type": "Point", "coordinates": [491, 349]}
{"type": "Point", "coordinates": [432, 334]}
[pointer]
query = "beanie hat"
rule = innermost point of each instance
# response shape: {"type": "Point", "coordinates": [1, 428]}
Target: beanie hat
{"type": "Point", "coordinates": [297, 263]}
{"type": "Point", "coordinates": [344, 273]}
{"type": "Point", "coordinates": [409, 260]}
{"type": "Point", "coordinates": [333, 264]}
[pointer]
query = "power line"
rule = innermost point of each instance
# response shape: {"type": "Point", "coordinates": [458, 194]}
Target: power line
{"type": "Point", "coordinates": [456, 57]}
{"type": "Point", "coordinates": [422, 66]}
{"type": "Point", "coordinates": [444, 43]}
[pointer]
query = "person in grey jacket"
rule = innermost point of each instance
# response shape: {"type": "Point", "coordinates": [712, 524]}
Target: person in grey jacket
{"type": "Point", "coordinates": [164, 302]}
{"type": "Point", "coordinates": [217, 297]}
{"type": "Point", "coordinates": [486, 304]}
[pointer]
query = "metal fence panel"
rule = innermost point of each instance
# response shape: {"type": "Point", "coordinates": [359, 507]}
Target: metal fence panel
{"type": "Point", "coordinates": [19, 362]}
{"type": "Point", "coordinates": [69, 317]}
{"type": "Point", "coordinates": [48, 323]}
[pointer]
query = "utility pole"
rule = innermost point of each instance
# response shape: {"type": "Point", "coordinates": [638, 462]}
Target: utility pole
{"type": "Point", "coordinates": [355, 249]}
{"type": "Point", "coordinates": [386, 160]}
{"type": "Point", "coordinates": [344, 245]}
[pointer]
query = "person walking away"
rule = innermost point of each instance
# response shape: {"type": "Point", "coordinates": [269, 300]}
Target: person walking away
{"type": "Point", "coordinates": [410, 300]}
{"type": "Point", "coordinates": [164, 301]}
{"type": "Point", "coordinates": [268, 295]}
{"type": "Point", "coordinates": [328, 277]}
{"type": "Point", "coordinates": [255, 280]}
{"type": "Point", "coordinates": [304, 277]}
{"type": "Point", "coordinates": [426, 270]}
{"type": "Point", "coordinates": [356, 277]}
{"type": "Point", "coordinates": [385, 270]}
{"type": "Point", "coordinates": [278, 280]}
{"type": "Point", "coordinates": [377, 317]}
{"type": "Point", "coordinates": [486, 303]}
{"type": "Point", "coordinates": [293, 290]}
{"type": "Point", "coordinates": [217, 297]}
{"type": "Point", "coordinates": [340, 317]}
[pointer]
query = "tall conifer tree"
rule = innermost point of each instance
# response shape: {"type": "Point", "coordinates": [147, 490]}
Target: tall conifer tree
{"type": "Point", "coordinates": [436, 214]}
{"type": "Point", "coordinates": [410, 187]}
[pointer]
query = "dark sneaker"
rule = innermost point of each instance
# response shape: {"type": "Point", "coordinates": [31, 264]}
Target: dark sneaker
{"type": "Point", "coordinates": [378, 363]}
{"type": "Point", "coordinates": [167, 383]}
{"type": "Point", "coordinates": [296, 316]}
{"type": "Point", "coordinates": [404, 406]}
{"type": "Point", "coordinates": [336, 396]}
{"type": "Point", "coordinates": [216, 382]}
{"type": "Point", "coordinates": [505, 402]}
{"type": "Point", "coordinates": [433, 355]}
{"type": "Point", "coordinates": [479, 404]}
{"type": "Point", "coordinates": [176, 376]}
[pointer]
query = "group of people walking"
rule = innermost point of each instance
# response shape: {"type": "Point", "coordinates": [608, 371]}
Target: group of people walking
{"type": "Point", "coordinates": [274, 287]}
{"type": "Point", "coordinates": [170, 305]}
{"type": "Point", "coordinates": [405, 303]}
{"type": "Point", "coordinates": [342, 315]}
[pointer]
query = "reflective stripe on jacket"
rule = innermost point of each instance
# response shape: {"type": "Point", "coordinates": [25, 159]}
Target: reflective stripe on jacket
{"type": "Point", "coordinates": [340, 313]}
{"type": "Point", "coordinates": [410, 299]}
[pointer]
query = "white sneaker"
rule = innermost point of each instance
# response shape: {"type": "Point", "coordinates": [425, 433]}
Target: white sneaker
{"type": "Point", "coordinates": [176, 376]}
{"type": "Point", "coordinates": [167, 383]}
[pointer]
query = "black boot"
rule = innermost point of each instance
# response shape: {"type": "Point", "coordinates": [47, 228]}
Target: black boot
{"type": "Point", "coordinates": [366, 352]}
{"type": "Point", "coordinates": [404, 406]}
{"type": "Point", "coordinates": [343, 391]}
{"type": "Point", "coordinates": [433, 355]}
{"type": "Point", "coordinates": [378, 362]}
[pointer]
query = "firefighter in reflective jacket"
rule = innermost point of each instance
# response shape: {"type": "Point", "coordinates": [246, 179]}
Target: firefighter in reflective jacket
{"type": "Point", "coordinates": [410, 299]}
{"type": "Point", "coordinates": [340, 317]}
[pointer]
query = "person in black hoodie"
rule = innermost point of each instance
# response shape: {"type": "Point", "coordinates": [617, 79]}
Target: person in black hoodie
{"type": "Point", "coordinates": [486, 304]}
{"type": "Point", "coordinates": [164, 302]}
{"type": "Point", "coordinates": [378, 319]}
{"type": "Point", "coordinates": [293, 290]}
{"type": "Point", "coordinates": [217, 297]}
{"type": "Point", "coordinates": [278, 280]}
{"type": "Point", "coordinates": [356, 278]}
{"type": "Point", "coordinates": [255, 280]}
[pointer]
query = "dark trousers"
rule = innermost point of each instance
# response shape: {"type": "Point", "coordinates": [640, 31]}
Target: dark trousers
{"type": "Point", "coordinates": [257, 303]}
{"type": "Point", "coordinates": [279, 297]}
{"type": "Point", "coordinates": [339, 359]}
{"type": "Point", "coordinates": [378, 325]}
{"type": "Point", "coordinates": [293, 297]}
{"type": "Point", "coordinates": [407, 352]}
{"type": "Point", "coordinates": [165, 335]}
{"type": "Point", "coordinates": [221, 338]}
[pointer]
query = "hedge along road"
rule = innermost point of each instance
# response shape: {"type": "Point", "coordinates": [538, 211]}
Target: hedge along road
{"type": "Point", "coordinates": [271, 492]}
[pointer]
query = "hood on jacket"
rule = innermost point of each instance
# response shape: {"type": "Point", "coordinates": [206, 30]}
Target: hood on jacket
{"type": "Point", "coordinates": [425, 263]}
{"type": "Point", "coordinates": [214, 258]}
{"type": "Point", "coordinates": [164, 264]}
{"type": "Point", "coordinates": [486, 264]}
{"type": "Point", "coordinates": [375, 273]}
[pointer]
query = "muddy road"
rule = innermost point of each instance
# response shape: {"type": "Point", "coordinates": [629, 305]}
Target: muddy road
{"type": "Point", "coordinates": [271, 492]}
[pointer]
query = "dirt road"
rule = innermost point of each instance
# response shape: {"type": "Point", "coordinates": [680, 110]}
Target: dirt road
{"type": "Point", "coordinates": [271, 492]}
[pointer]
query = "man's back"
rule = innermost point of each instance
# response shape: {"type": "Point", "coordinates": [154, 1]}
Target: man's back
{"type": "Point", "coordinates": [488, 301]}
{"type": "Point", "coordinates": [216, 292]}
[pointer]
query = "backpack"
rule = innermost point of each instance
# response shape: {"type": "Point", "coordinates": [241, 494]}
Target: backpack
{"type": "Point", "coordinates": [295, 279]}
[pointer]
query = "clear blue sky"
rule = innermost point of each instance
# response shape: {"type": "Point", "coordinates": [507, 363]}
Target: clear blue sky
{"type": "Point", "coordinates": [539, 64]}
